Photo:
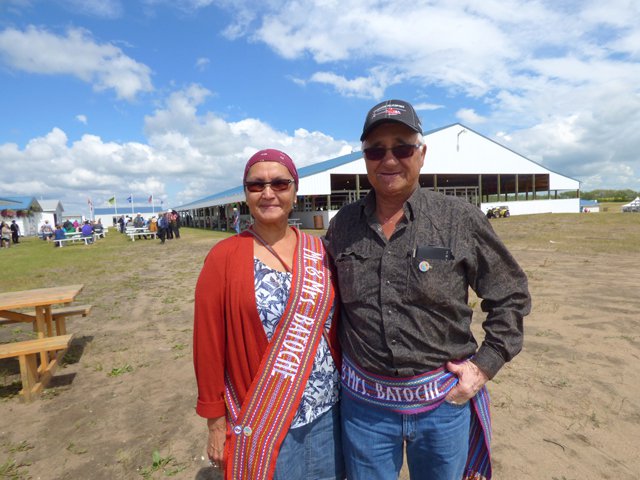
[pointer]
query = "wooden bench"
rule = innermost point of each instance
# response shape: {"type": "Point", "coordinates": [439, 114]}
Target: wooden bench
{"type": "Point", "coordinates": [33, 378]}
{"type": "Point", "coordinates": [59, 315]}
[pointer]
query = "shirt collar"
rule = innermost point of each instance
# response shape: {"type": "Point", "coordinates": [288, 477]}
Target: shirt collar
{"type": "Point", "coordinates": [411, 206]}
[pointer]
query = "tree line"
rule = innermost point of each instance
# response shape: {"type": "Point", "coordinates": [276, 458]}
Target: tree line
{"type": "Point", "coordinates": [610, 195]}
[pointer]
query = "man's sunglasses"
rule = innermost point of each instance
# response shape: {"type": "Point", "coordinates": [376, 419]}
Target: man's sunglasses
{"type": "Point", "coordinates": [279, 185]}
{"type": "Point", "coordinates": [399, 151]}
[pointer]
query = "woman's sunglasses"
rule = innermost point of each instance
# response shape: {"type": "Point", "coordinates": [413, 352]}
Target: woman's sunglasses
{"type": "Point", "coordinates": [399, 151]}
{"type": "Point", "coordinates": [279, 185]}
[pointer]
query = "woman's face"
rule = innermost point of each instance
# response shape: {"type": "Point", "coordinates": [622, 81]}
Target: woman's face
{"type": "Point", "coordinates": [269, 205]}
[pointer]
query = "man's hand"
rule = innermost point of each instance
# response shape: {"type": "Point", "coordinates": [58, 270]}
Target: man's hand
{"type": "Point", "coordinates": [470, 380]}
{"type": "Point", "coordinates": [215, 443]}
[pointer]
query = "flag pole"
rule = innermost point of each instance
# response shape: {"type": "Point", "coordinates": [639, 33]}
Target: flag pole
{"type": "Point", "coordinates": [131, 197]}
{"type": "Point", "coordinates": [115, 204]}
{"type": "Point", "coordinates": [153, 205]}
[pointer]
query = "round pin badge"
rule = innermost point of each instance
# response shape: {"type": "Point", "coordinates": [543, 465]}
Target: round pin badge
{"type": "Point", "coordinates": [424, 266]}
{"type": "Point", "coordinates": [247, 431]}
{"type": "Point", "coordinates": [237, 429]}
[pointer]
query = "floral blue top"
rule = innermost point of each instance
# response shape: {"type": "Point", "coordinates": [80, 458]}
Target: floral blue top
{"type": "Point", "coordinates": [321, 393]}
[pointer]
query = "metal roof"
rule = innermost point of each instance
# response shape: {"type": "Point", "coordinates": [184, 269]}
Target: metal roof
{"type": "Point", "coordinates": [21, 203]}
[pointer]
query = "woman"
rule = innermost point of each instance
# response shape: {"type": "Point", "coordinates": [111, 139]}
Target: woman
{"type": "Point", "coordinates": [5, 235]}
{"type": "Point", "coordinates": [264, 341]}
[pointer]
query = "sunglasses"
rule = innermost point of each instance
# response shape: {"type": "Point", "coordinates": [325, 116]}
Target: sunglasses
{"type": "Point", "coordinates": [399, 151]}
{"type": "Point", "coordinates": [279, 185]}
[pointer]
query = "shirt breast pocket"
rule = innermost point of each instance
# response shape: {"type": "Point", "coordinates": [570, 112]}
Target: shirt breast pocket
{"type": "Point", "coordinates": [351, 267]}
{"type": "Point", "coordinates": [430, 281]}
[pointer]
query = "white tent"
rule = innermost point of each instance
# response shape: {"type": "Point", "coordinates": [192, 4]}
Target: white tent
{"type": "Point", "coordinates": [632, 206]}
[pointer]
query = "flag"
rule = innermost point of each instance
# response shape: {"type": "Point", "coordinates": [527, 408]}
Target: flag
{"type": "Point", "coordinates": [150, 198]}
{"type": "Point", "coordinates": [130, 199]}
{"type": "Point", "coordinates": [111, 201]}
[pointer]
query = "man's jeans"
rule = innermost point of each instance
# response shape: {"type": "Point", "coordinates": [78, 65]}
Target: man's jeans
{"type": "Point", "coordinates": [373, 438]}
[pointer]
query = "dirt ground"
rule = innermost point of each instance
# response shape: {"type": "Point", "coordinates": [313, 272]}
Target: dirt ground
{"type": "Point", "coordinates": [566, 408]}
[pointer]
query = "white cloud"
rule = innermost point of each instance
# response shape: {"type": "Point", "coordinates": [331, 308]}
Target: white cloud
{"type": "Point", "coordinates": [104, 66]}
{"type": "Point", "coordinates": [372, 86]}
{"type": "Point", "coordinates": [424, 106]}
{"type": "Point", "coordinates": [469, 116]}
{"type": "Point", "coordinates": [562, 71]}
{"type": "Point", "coordinates": [110, 9]}
{"type": "Point", "coordinates": [202, 63]}
{"type": "Point", "coordinates": [82, 119]}
{"type": "Point", "coordinates": [208, 153]}
{"type": "Point", "coordinates": [196, 153]}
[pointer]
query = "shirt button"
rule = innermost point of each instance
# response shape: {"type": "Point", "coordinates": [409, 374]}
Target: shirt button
{"type": "Point", "coordinates": [393, 342]}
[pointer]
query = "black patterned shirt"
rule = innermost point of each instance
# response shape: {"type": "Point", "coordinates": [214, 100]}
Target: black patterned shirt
{"type": "Point", "coordinates": [405, 300]}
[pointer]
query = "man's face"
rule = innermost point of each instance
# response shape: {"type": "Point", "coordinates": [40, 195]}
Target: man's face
{"type": "Point", "coordinates": [391, 177]}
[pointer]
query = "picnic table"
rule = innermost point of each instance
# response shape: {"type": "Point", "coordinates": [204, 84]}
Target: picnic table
{"type": "Point", "coordinates": [49, 347]}
{"type": "Point", "coordinates": [134, 232]}
{"type": "Point", "coordinates": [73, 237]}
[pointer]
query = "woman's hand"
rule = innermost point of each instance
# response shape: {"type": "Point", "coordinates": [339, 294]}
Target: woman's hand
{"type": "Point", "coordinates": [215, 443]}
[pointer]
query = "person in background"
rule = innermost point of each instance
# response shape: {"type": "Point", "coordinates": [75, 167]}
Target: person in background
{"type": "Point", "coordinates": [121, 223]}
{"type": "Point", "coordinates": [46, 231]}
{"type": "Point", "coordinates": [174, 223]}
{"type": "Point", "coordinates": [266, 362]}
{"type": "Point", "coordinates": [5, 235]}
{"type": "Point", "coordinates": [163, 226]}
{"type": "Point", "coordinates": [98, 229]}
{"type": "Point", "coordinates": [68, 226]}
{"type": "Point", "coordinates": [15, 232]}
{"type": "Point", "coordinates": [59, 234]}
{"type": "Point", "coordinates": [413, 375]}
{"type": "Point", "coordinates": [87, 231]}
{"type": "Point", "coordinates": [139, 222]}
{"type": "Point", "coordinates": [153, 225]}
{"type": "Point", "coordinates": [236, 220]}
{"type": "Point", "coordinates": [168, 231]}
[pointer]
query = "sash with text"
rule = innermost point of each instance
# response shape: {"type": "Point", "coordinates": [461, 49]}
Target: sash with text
{"type": "Point", "coordinates": [259, 426]}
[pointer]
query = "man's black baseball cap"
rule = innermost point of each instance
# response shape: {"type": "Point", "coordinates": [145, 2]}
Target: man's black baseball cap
{"type": "Point", "coordinates": [391, 111]}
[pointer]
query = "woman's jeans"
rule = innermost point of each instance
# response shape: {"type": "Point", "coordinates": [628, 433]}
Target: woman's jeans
{"type": "Point", "coordinates": [313, 451]}
{"type": "Point", "coordinates": [373, 439]}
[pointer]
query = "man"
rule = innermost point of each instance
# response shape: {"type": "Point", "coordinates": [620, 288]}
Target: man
{"type": "Point", "coordinates": [412, 372]}
{"type": "Point", "coordinates": [163, 225]}
{"type": "Point", "coordinates": [139, 222]}
{"type": "Point", "coordinates": [15, 232]}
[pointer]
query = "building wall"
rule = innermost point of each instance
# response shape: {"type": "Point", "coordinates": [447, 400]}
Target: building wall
{"type": "Point", "coordinates": [530, 207]}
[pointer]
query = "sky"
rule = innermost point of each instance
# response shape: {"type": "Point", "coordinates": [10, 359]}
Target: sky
{"type": "Point", "coordinates": [169, 98]}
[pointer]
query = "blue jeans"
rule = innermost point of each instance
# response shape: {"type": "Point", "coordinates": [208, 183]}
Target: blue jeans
{"type": "Point", "coordinates": [437, 441]}
{"type": "Point", "coordinates": [313, 451]}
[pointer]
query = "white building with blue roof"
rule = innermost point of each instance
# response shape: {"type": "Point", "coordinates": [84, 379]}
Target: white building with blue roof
{"type": "Point", "coordinates": [459, 161]}
{"type": "Point", "coordinates": [26, 211]}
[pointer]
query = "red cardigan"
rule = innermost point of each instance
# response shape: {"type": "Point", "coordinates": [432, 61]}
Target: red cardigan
{"type": "Point", "coordinates": [228, 334]}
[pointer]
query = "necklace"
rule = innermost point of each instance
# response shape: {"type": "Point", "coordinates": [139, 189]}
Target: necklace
{"type": "Point", "coordinates": [268, 247]}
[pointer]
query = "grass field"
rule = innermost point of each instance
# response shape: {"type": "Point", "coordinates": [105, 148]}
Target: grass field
{"type": "Point", "coordinates": [35, 263]}
{"type": "Point", "coordinates": [122, 407]}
